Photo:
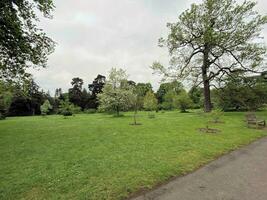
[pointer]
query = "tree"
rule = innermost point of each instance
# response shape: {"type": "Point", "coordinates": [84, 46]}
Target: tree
{"type": "Point", "coordinates": [173, 87]}
{"type": "Point", "coordinates": [45, 108]}
{"type": "Point", "coordinates": [117, 94]}
{"type": "Point", "coordinates": [182, 101]}
{"type": "Point", "coordinates": [27, 99]}
{"type": "Point", "coordinates": [195, 94]}
{"type": "Point", "coordinates": [66, 108]}
{"type": "Point", "coordinates": [212, 40]}
{"type": "Point", "coordinates": [75, 93]}
{"type": "Point", "coordinates": [140, 90]}
{"type": "Point", "coordinates": [150, 101]}
{"type": "Point", "coordinates": [95, 88]}
{"type": "Point", "coordinates": [22, 43]}
{"type": "Point", "coordinates": [168, 100]}
{"type": "Point", "coordinates": [5, 99]}
{"type": "Point", "coordinates": [241, 94]}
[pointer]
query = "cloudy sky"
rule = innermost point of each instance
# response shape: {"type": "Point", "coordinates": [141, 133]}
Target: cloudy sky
{"type": "Point", "coordinates": [94, 36]}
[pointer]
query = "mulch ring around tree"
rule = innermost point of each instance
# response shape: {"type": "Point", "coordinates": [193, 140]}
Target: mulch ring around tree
{"type": "Point", "coordinates": [135, 124]}
{"type": "Point", "coordinates": [209, 130]}
{"type": "Point", "coordinates": [216, 122]}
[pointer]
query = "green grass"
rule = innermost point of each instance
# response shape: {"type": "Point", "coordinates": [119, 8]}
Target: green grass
{"type": "Point", "coordinates": [99, 157]}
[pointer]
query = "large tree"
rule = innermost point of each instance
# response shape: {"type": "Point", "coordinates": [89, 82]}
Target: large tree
{"type": "Point", "coordinates": [22, 43]}
{"type": "Point", "coordinates": [174, 87]}
{"type": "Point", "coordinates": [75, 93]}
{"type": "Point", "coordinates": [212, 40]}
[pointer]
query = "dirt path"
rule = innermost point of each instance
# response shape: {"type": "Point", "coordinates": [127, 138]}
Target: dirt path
{"type": "Point", "coordinates": [240, 175]}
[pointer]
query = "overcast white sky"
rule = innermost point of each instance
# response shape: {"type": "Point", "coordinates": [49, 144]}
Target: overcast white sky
{"type": "Point", "coordinates": [94, 36]}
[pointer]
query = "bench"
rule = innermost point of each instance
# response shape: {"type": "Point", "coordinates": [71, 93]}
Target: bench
{"type": "Point", "coordinates": [252, 120]}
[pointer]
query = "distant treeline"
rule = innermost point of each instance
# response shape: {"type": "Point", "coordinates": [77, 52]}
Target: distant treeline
{"type": "Point", "coordinates": [236, 94]}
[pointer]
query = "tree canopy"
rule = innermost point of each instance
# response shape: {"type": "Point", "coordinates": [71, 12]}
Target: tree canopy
{"type": "Point", "coordinates": [22, 43]}
{"type": "Point", "coordinates": [212, 40]}
{"type": "Point", "coordinates": [117, 95]}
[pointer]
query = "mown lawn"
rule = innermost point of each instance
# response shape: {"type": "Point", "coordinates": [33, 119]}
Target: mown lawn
{"type": "Point", "coordinates": [99, 157]}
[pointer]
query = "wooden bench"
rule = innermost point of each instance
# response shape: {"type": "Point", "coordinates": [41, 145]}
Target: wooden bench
{"type": "Point", "coordinates": [252, 120]}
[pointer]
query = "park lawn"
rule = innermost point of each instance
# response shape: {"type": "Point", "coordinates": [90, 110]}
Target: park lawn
{"type": "Point", "coordinates": [97, 156]}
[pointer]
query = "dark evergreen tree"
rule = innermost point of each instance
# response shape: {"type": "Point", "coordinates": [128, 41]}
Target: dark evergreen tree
{"type": "Point", "coordinates": [95, 88]}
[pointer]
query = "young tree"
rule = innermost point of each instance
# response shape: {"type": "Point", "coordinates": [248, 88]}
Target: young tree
{"type": "Point", "coordinates": [117, 94]}
{"type": "Point", "coordinates": [212, 40]}
{"type": "Point", "coordinates": [22, 43]}
{"type": "Point", "coordinates": [45, 108]}
{"type": "Point", "coordinates": [150, 101]}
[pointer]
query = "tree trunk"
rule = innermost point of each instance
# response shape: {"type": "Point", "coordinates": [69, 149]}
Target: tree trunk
{"type": "Point", "coordinates": [135, 112]}
{"type": "Point", "coordinates": [206, 82]}
{"type": "Point", "coordinates": [118, 111]}
{"type": "Point", "coordinates": [207, 100]}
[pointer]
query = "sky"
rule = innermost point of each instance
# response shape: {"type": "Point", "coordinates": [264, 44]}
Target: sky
{"type": "Point", "coordinates": [94, 36]}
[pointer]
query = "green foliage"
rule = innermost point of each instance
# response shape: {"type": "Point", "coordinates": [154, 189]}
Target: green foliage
{"type": "Point", "coordinates": [174, 87]}
{"type": "Point", "coordinates": [117, 94]}
{"type": "Point", "coordinates": [76, 95]}
{"type": "Point", "coordinates": [241, 94]}
{"type": "Point", "coordinates": [68, 109]}
{"type": "Point", "coordinates": [141, 90]}
{"type": "Point", "coordinates": [45, 108]}
{"type": "Point", "coordinates": [6, 96]}
{"type": "Point", "coordinates": [212, 40]}
{"type": "Point", "coordinates": [22, 43]}
{"type": "Point", "coordinates": [182, 101]}
{"type": "Point", "coordinates": [168, 100]}
{"type": "Point", "coordinates": [196, 95]}
{"type": "Point", "coordinates": [150, 101]}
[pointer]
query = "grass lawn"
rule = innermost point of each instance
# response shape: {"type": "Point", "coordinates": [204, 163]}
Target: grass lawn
{"type": "Point", "coordinates": [99, 157]}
